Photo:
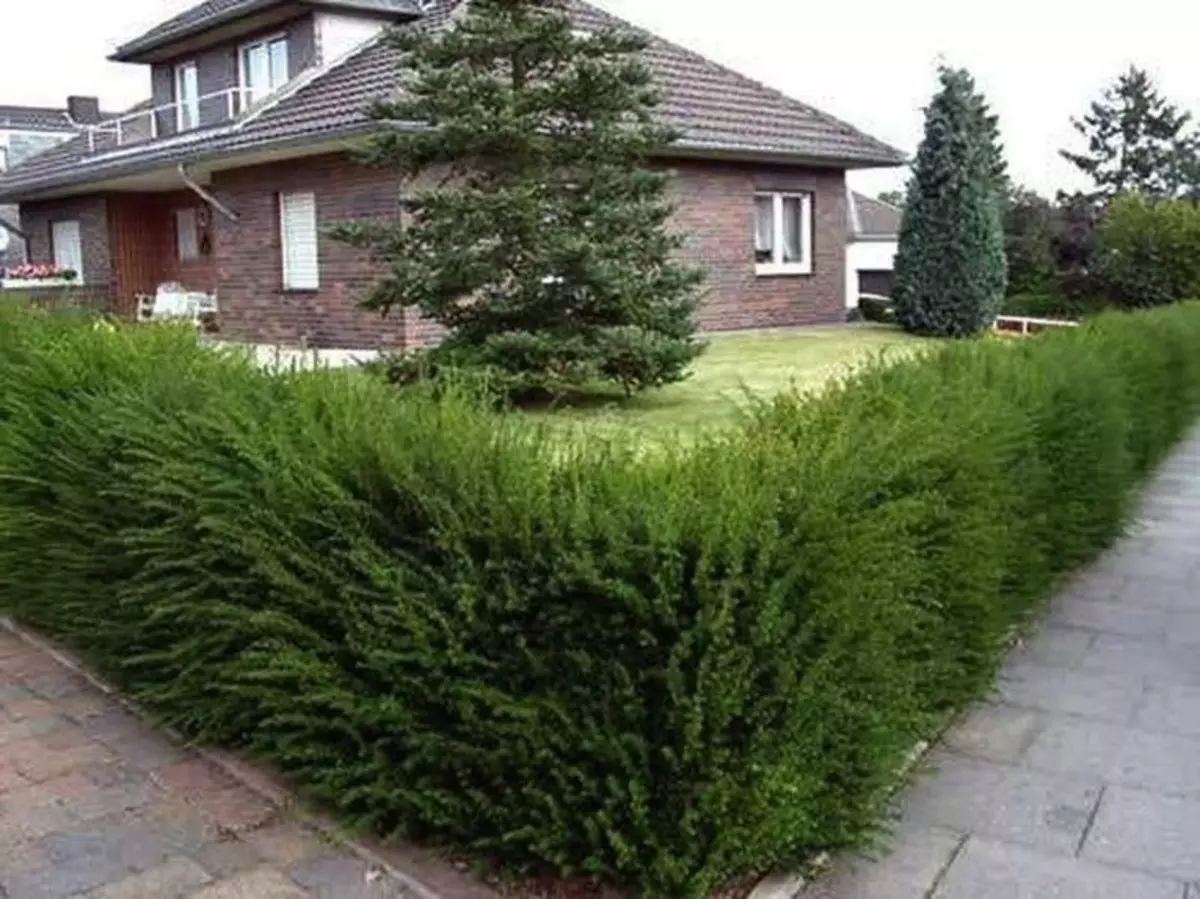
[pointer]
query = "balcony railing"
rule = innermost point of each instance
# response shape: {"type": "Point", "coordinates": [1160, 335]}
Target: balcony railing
{"type": "Point", "coordinates": [168, 120]}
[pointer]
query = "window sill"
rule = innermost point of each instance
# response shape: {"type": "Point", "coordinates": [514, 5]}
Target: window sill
{"type": "Point", "coordinates": [773, 270]}
{"type": "Point", "coordinates": [35, 283]}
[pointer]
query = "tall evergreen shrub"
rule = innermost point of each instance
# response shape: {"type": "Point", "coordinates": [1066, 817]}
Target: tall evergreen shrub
{"type": "Point", "coordinates": [950, 267]}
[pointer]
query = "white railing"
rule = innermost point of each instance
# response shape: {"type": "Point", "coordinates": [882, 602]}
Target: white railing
{"type": "Point", "coordinates": [1020, 324]}
{"type": "Point", "coordinates": [161, 121]}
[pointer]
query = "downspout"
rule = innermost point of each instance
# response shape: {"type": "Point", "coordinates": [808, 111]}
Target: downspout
{"type": "Point", "coordinates": [205, 195]}
{"type": "Point", "coordinates": [17, 233]}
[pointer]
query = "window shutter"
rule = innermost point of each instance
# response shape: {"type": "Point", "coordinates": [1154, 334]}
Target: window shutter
{"type": "Point", "coordinates": [68, 247]}
{"type": "Point", "coordinates": [298, 238]}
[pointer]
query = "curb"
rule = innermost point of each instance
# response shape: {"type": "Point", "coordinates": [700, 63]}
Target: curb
{"type": "Point", "coordinates": [253, 779]}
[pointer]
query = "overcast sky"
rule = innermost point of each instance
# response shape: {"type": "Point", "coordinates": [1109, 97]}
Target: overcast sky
{"type": "Point", "coordinates": [870, 62]}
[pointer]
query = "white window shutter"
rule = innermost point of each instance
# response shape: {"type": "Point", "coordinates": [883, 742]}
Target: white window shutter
{"type": "Point", "coordinates": [68, 247]}
{"type": "Point", "coordinates": [298, 238]}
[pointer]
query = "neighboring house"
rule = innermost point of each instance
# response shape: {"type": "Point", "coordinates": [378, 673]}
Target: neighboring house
{"type": "Point", "coordinates": [871, 250]}
{"type": "Point", "coordinates": [226, 179]}
{"type": "Point", "coordinates": [26, 131]}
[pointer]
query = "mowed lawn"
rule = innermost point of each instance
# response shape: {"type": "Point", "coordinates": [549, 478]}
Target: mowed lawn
{"type": "Point", "coordinates": [736, 367]}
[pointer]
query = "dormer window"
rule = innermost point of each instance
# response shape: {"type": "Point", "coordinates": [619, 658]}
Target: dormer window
{"type": "Point", "coordinates": [262, 68]}
{"type": "Point", "coordinates": [187, 97]}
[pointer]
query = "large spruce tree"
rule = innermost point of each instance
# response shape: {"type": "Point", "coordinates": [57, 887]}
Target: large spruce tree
{"type": "Point", "coordinates": [950, 268]}
{"type": "Point", "coordinates": [537, 230]}
{"type": "Point", "coordinates": [1136, 141]}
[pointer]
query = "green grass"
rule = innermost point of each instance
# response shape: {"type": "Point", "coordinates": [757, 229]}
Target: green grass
{"type": "Point", "coordinates": [735, 368]}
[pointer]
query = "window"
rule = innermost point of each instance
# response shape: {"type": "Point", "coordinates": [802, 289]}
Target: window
{"type": "Point", "coordinates": [187, 96]}
{"type": "Point", "coordinates": [187, 240]}
{"type": "Point", "coordinates": [298, 238]}
{"type": "Point", "coordinates": [262, 68]}
{"type": "Point", "coordinates": [783, 233]}
{"type": "Point", "coordinates": [67, 247]}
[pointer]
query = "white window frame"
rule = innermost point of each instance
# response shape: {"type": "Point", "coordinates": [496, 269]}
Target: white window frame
{"type": "Point", "coordinates": [187, 234]}
{"type": "Point", "coordinates": [187, 111]}
{"type": "Point", "coordinates": [57, 246]}
{"type": "Point", "coordinates": [777, 266]}
{"type": "Point", "coordinates": [248, 93]}
{"type": "Point", "coordinates": [301, 270]}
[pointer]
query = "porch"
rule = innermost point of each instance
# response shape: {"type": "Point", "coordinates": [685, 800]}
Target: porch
{"type": "Point", "coordinates": [158, 238]}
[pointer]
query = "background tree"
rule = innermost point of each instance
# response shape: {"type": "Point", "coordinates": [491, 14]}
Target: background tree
{"type": "Point", "coordinates": [541, 240]}
{"type": "Point", "coordinates": [892, 198]}
{"type": "Point", "coordinates": [1030, 227]}
{"type": "Point", "coordinates": [950, 270]}
{"type": "Point", "coordinates": [1136, 141]}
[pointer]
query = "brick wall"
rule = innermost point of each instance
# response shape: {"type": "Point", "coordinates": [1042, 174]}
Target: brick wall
{"type": "Point", "coordinates": [254, 305]}
{"type": "Point", "coordinates": [715, 210]}
{"type": "Point", "coordinates": [92, 214]}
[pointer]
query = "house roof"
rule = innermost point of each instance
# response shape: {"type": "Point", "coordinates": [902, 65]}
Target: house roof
{"type": "Point", "coordinates": [212, 13]}
{"type": "Point", "coordinates": [720, 113]}
{"type": "Point", "coordinates": [875, 218]}
{"type": "Point", "coordinates": [34, 118]}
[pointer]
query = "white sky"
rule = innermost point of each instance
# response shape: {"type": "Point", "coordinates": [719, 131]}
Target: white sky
{"type": "Point", "coordinates": [870, 62]}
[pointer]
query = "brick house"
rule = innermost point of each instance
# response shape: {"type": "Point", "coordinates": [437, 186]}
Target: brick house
{"type": "Point", "coordinates": [26, 131]}
{"type": "Point", "coordinates": [225, 179]}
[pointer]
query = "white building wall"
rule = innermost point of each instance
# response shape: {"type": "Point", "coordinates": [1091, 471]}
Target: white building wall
{"type": "Point", "coordinates": [338, 34]}
{"type": "Point", "coordinates": [866, 256]}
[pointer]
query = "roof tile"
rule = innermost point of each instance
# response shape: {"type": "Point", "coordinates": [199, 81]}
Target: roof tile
{"type": "Point", "coordinates": [717, 111]}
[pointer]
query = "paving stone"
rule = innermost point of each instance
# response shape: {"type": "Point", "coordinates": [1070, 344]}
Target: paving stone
{"type": "Point", "coordinates": [1161, 594]}
{"type": "Point", "coordinates": [1163, 763]}
{"type": "Point", "coordinates": [1093, 583]}
{"type": "Point", "coordinates": [175, 879]}
{"type": "Point", "coordinates": [10, 778]}
{"type": "Point", "coordinates": [995, 733]}
{"type": "Point", "coordinates": [955, 793]}
{"type": "Point", "coordinates": [1077, 747]}
{"type": "Point", "coordinates": [1148, 658]}
{"type": "Point", "coordinates": [344, 877]}
{"type": "Point", "coordinates": [114, 722]}
{"type": "Point", "coordinates": [1044, 811]}
{"type": "Point", "coordinates": [28, 663]}
{"type": "Point", "coordinates": [987, 869]}
{"type": "Point", "coordinates": [20, 855]}
{"type": "Point", "coordinates": [908, 870]}
{"type": "Point", "coordinates": [28, 708]}
{"type": "Point", "coordinates": [1054, 645]}
{"type": "Point", "coordinates": [27, 728]}
{"type": "Point", "coordinates": [1171, 708]}
{"type": "Point", "coordinates": [1153, 833]}
{"type": "Point", "coordinates": [287, 844]}
{"type": "Point", "coordinates": [58, 684]}
{"type": "Point", "coordinates": [147, 751]}
{"type": "Point", "coordinates": [50, 763]}
{"type": "Point", "coordinates": [228, 857]}
{"type": "Point", "coordinates": [1103, 697]}
{"type": "Point", "coordinates": [11, 645]}
{"type": "Point", "coordinates": [1109, 617]}
{"type": "Point", "coordinates": [10, 693]}
{"type": "Point", "coordinates": [194, 777]}
{"type": "Point", "coordinates": [235, 810]}
{"type": "Point", "coordinates": [1183, 630]}
{"type": "Point", "coordinates": [62, 879]}
{"type": "Point", "coordinates": [262, 883]}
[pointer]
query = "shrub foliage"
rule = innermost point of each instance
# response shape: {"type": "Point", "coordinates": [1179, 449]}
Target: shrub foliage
{"type": "Point", "coordinates": [950, 267]}
{"type": "Point", "coordinates": [539, 229]}
{"type": "Point", "coordinates": [1149, 250]}
{"type": "Point", "coordinates": [665, 670]}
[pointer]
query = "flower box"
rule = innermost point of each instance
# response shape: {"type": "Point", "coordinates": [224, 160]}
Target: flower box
{"type": "Point", "coordinates": [36, 283]}
{"type": "Point", "coordinates": [34, 275]}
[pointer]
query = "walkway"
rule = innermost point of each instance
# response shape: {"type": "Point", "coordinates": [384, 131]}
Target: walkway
{"type": "Point", "coordinates": [93, 803]}
{"type": "Point", "coordinates": [1081, 779]}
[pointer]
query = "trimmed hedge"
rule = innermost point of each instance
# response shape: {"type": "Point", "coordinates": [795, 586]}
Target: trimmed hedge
{"type": "Point", "coordinates": [666, 670]}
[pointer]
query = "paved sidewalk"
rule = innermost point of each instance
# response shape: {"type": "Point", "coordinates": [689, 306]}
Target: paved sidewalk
{"type": "Point", "coordinates": [1081, 779]}
{"type": "Point", "coordinates": [94, 803]}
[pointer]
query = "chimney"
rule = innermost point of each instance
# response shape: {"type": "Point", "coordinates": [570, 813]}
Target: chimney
{"type": "Point", "coordinates": [84, 110]}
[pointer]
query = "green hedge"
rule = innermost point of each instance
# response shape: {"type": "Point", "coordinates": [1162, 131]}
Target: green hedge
{"type": "Point", "coordinates": [1053, 305]}
{"type": "Point", "coordinates": [666, 670]}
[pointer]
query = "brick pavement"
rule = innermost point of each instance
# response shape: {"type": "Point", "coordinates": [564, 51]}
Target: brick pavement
{"type": "Point", "coordinates": [1080, 779]}
{"type": "Point", "coordinates": [94, 803]}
